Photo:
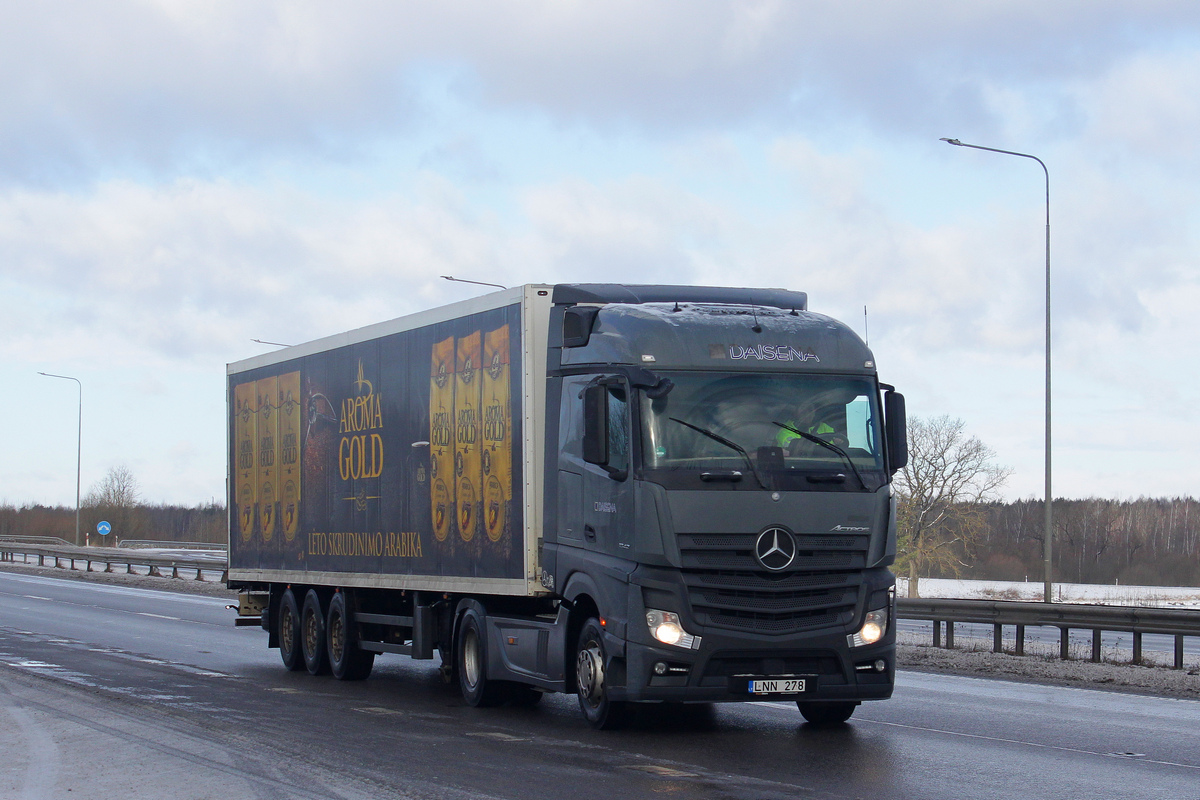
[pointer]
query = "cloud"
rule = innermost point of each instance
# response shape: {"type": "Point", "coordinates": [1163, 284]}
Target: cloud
{"type": "Point", "coordinates": [1149, 104]}
{"type": "Point", "coordinates": [174, 84]}
{"type": "Point", "coordinates": [195, 269]}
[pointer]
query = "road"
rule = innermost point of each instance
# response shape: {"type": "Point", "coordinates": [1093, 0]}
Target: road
{"type": "Point", "coordinates": [113, 692]}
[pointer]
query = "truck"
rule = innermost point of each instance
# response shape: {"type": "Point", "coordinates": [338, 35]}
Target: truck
{"type": "Point", "coordinates": [631, 493]}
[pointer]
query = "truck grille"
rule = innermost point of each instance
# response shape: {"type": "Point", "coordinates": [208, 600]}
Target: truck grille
{"type": "Point", "coordinates": [728, 588]}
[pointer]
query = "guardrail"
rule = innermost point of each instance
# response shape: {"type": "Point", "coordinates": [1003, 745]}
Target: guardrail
{"type": "Point", "coordinates": [108, 556]}
{"type": "Point", "coordinates": [1064, 616]}
{"type": "Point", "coordinates": [164, 544]}
{"type": "Point", "coordinates": [33, 540]}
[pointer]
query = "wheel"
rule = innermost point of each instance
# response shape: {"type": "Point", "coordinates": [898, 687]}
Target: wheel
{"type": "Point", "coordinates": [598, 708]}
{"type": "Point", "coordinates": [346, 660]}
{"type": "Point", "coordinates": [312, 638]}
{"type": "Point", "coordinates": [289, 632]}
{"type": "Point", "coordinates": [471, 665]}
{"type": "Point", "coordinates": [826, 713]}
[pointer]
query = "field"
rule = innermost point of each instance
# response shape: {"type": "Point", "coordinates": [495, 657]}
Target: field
{"type": "Point", "coordinates": [1098, 594]}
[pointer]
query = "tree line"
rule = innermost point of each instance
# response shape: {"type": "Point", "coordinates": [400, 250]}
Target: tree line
{"type": "Point", "coordinates": [115, 499]}
{"type": "Point", "coordinates": [1147, 541]}
{"type": "Point", "coordinates": [950, 523]}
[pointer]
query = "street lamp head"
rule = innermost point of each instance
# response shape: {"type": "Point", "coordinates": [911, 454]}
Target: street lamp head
{"type": "Point", "coordinates": [952, 141]}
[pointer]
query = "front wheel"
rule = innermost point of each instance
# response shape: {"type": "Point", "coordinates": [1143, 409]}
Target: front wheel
{"type": "Point", "coordinates": [600, 710]}
{"type": "Point", "coordinates": [826, 713]}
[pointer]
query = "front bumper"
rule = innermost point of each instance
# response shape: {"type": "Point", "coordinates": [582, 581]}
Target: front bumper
{"type": "Point", "coordinates": [722, 669]}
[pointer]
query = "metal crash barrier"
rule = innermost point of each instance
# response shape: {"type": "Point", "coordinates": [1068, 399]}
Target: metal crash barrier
{"type": "Point", "coordinates": [1064, 616]}
{"type": "Point", "coordinates": [68, 557]}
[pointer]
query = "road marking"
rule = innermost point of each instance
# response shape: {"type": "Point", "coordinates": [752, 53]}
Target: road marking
{"type": "Point", "coordinates": [661, 771]}
{"type": "Point", "coordinates": [35, 597]}
{"type": "Point", "coordinates": [156, 616]}
{"type": "Point", "coordinates": [499, 737]}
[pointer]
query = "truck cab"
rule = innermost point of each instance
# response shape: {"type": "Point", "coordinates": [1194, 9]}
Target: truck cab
{"type": "Point", "coordinates": [719, 514]}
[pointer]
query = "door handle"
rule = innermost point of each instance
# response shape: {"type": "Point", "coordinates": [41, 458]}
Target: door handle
{"type": "Point", "coordinates": [589, 533]}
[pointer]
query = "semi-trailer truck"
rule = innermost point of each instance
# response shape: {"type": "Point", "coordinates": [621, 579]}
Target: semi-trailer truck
{"type": "Point", "coordinates": [630, 493]}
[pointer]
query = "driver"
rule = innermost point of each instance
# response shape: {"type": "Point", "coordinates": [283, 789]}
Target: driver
{"type": "Point", "coordinates": [818, 423]}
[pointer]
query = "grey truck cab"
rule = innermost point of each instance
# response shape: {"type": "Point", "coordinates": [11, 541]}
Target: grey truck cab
{"type": "Point", "coordinates": [719, 515]}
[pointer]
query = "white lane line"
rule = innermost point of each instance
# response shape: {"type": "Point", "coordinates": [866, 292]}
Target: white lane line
{"type": "Point", "coordinates": [158, 662]}
{"type": "Point", "coordinates": [157, 616]}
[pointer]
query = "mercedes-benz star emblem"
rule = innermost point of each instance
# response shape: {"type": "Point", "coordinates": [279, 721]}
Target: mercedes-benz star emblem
{"type": "Point", "coordinates": [775, 549]}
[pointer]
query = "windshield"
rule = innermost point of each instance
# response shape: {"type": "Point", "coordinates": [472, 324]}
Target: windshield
{"type": "Point", "coordinates": [765, 431]}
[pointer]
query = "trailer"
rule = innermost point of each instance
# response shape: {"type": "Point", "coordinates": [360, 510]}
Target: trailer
{"type": "Point", "coordinates": [629, 493]}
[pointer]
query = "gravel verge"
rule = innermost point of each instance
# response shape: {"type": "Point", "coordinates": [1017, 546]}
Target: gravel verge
{"type": "Point", "coordinates": [1047, 669]}
{"type": "Point", "coordinates": [972, 659]}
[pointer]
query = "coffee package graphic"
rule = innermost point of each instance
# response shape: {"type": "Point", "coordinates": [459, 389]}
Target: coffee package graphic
{"type": "Point", "coordinates": [245, 491]}
{"type": "Point", "coordinates": [468, 470]}
{"type": "Point", "coordinates": [441, 438]}
{"type": "Point", "coordinates": [267, 432]}
{"type": "Point", "coordinates": [289, 432]}
{"type": "Point", "coordinates": [496, 432]}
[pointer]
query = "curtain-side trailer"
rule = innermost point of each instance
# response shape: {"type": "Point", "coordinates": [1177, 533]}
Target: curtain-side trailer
{"type": "Point", "coordinates": [630, 493]}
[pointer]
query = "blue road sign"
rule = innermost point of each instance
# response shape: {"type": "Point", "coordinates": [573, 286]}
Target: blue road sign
{"type": "Point", "coordinates": [103, 528]}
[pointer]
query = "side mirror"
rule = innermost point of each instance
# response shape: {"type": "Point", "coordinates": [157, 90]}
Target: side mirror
{"type": "Point", "coordinates": [595, 424]}
{"type": "Point", "coordinates": [895, 430]}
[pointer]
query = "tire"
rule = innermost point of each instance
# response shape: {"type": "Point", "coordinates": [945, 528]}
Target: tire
{"type": "Point", "coordinates": [312, 635]}
{"type": "Point", "coordinates": [827, 713]}
{"type": "Point", "coordinates": [346, 660]}
{"type": "Point", "coordinates": [289, 632]}
{"type": "Point", "coordinates": [471, 664]}
{"type": "Point", "coordinates": [591, 660]}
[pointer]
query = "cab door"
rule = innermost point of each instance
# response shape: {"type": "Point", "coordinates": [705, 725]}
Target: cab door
{"type": "Point", "coordinates": [597, 459]}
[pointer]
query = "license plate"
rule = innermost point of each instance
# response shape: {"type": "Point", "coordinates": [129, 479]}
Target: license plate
{"type": "Point", "coordinates": [778, 686]}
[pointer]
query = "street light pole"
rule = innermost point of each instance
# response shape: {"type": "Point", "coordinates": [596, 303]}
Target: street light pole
{"type": "Point", "coordinates": [1048, 522]}
{"type": "Point", "coordinates": [78, 450]}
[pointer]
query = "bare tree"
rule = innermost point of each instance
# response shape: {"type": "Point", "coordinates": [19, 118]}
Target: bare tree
{"type": "Point", "coordinates": [942, 495]}
{"type": "Point", "coordinates": [116, 499]}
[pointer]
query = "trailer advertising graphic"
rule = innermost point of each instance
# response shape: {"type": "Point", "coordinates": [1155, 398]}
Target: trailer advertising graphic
{"type": "Point", "coordinates": [394, 455]}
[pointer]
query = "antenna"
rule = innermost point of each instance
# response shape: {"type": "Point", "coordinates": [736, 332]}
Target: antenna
{"type": "Point", "coordinates": [757, 328]}
{"type": "Point", "coordinates": [866, 329]}
{"type": "Point", "coordinates": [478, 283]}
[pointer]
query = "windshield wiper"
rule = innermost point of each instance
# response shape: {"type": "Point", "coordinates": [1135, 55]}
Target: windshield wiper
{"type": "Point", "coordinates": [716, 437]}
{"type": "Point", "coordinates": [828, 446]}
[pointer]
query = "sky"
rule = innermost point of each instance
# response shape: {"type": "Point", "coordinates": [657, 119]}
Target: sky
{"type": "Point", "coordinates": [179, 178]}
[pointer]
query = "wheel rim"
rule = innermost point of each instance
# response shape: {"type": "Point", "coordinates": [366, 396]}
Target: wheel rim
{"type": "Point", "coordinates": [472, 666]}
{"type": "Point", "coordinates": [589, 673]}
{"type": "Point", "coordinates": [310, 632]}
{"type": "Point", "coordinates": [336, 637]}
{"type": "Point", "coordinates": [286, 624]}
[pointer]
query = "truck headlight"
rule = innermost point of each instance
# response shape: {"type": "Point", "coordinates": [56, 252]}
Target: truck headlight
{"type": "Point", "coordinates": [872, 630]}
{"type": "Point", "coordinates": [666, 628]}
